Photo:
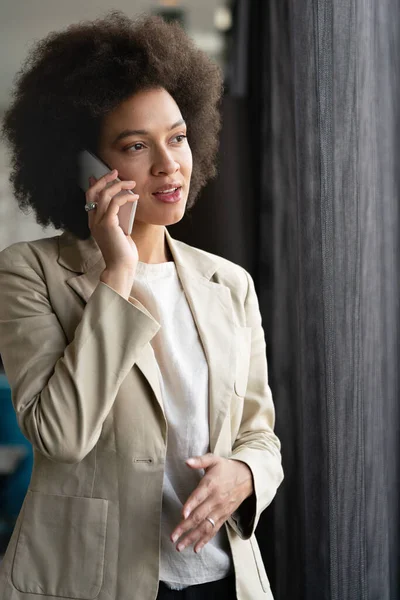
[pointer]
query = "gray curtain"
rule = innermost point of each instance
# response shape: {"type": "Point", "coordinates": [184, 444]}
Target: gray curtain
{"type": "Point", "coordinates": [329, 232]}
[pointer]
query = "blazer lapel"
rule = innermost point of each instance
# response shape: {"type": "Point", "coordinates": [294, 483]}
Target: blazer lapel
{"type": "Point", "coordinates": [85, 284]}
{"type": "Point", "coordinates": [211, 306]}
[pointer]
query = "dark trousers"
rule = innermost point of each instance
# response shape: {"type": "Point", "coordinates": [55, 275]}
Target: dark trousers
{"type": "Point", "coordinates": [224, 589]}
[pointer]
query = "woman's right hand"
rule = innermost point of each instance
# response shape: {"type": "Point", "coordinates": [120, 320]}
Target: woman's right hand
{"type": "Point", "coordinates": [119, 250]}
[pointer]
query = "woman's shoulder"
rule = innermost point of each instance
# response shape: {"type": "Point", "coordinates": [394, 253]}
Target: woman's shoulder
{"type": "Point", "coordinates": [216, 268]}
{"type": "Point", "coordinates": [30, 254]}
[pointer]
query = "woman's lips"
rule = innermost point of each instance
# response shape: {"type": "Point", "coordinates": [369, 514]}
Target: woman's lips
{"type": "Point", "coordinates": [169, 197]}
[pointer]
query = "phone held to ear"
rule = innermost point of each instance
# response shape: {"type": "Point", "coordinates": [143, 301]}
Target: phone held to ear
{"type": "Point", "coordinates": [91, 165]}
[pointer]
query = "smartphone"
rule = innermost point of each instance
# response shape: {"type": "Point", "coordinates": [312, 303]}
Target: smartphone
{"type": "Point", "coordinates": [89, 164]}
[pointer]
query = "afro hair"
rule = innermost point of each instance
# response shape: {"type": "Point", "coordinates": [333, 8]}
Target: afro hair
{"type": "Point", "coordinates": [73, 78]}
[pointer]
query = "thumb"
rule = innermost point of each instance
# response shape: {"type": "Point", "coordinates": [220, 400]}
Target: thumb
{"type": "Point", "coordinates": [202, 462]}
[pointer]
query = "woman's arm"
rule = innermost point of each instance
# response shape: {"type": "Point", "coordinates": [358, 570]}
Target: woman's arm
{"type": "Point", "coordinates": [256, 444]}
{"type": "Point", "coordinates": [238, 488]}
{"type": "Point", "coordinates": [62, 393]}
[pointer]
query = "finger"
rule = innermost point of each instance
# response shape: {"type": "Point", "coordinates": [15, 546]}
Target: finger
{"type": "Point", "coordinates": [107, 195]}
{"type": "Point", "coordinates": [91, 213]}
{"type": "Point", "coordinates": [203, 462]}
{"type": "Point", "coordinates": [116, 203]}
{"type": "Point", "coordinates": [102, 182]}
{"type": "Point", "coordinates": [113, 189]}
{"type": "Point", "coordinates": [205, 488]}
{"type": "Point", "coordinates": [102, 190]}
{"type": "Point", "coordinates": [98, 185]}
{"type": "Point", "coordinates": [216, 503]}
{"type": "Point", "coordinates": [201, 535]}
{"type": "Point", "coordinates": [196, 519]}
{"type": "Point", "coordinates": [209, 536]}
{"type": "Point", "coordinates": [92, 194]}
{"type": "Point", "coordinates": [193, 537]}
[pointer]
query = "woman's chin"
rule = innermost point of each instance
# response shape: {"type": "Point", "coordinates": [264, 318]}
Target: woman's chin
{"type": "Point", "coordinates": [173, 215]}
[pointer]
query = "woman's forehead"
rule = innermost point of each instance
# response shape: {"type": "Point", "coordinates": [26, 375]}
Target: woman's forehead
{"type": "Point", "coordinates": [145, 111]}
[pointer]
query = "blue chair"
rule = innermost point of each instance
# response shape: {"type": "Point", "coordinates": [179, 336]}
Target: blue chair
{"type": "Point", "coordinates": [13, 485]}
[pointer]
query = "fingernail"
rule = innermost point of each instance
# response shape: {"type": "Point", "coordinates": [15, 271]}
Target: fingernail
{"type": "Point", "coordinates": [191, 461]}
{"type": "Point", "coordinates": [174, 538]}
{"type": "Point", "coordinates": [180, 547]}
{"type": "Point", "coordinates": [186, 513]}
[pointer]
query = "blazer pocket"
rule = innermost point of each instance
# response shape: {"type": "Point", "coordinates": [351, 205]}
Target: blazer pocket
{"type": "Point", "coordinates": [60, 547]}
{"type": "Point", "coordinates": [243, 353]}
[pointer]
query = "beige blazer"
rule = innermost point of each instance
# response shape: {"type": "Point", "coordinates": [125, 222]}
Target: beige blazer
{"type": "Point", "coordinates": [86, 394]}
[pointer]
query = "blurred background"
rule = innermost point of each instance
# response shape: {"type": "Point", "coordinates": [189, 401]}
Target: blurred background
{"type": "Point", "coordinates": [307, 200]}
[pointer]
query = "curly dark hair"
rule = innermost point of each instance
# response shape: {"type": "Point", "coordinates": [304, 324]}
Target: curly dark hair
{"type": "Point", "coordinates": [73, 78]}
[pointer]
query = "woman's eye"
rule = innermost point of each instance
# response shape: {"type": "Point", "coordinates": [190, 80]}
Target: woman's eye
{"type": "Point", "coordinates": [180, 138]}
{"type": "Point", "coordinates": [137, 146]}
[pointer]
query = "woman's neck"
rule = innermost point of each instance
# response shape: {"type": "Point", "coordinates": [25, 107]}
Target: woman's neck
{"type": "Point", "coordinates": [151, 243]}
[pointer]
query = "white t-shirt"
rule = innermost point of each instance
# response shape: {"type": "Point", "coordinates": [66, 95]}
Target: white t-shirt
{"type": "Point", "coordinates": [183, 373]}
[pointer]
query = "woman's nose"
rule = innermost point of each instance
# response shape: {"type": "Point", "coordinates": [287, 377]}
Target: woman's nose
{"type": "Point", "coordinates": [164, 163]}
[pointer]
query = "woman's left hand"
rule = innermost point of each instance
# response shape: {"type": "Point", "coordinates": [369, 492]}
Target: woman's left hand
{"type": "Point", "coordinates": [221, 491]}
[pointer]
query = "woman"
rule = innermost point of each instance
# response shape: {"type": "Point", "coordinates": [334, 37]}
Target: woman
{"type": "Point", "coordinates": [137, 363]}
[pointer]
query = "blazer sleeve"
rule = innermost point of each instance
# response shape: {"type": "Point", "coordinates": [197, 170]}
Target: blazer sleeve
{"type": "Point", "coordinates": [256, 444]}
{"type": "Point", "coordinates": [62, 393]}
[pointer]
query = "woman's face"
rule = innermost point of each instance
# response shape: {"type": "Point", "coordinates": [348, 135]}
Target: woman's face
{"type": "Point", "coordinates": [144, 138]}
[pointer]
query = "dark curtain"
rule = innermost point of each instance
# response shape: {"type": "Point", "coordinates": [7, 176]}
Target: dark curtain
{"type": "Point", "coordinates": [325, 123]}
{"type": "Point", "coordinates": [312, 91]}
